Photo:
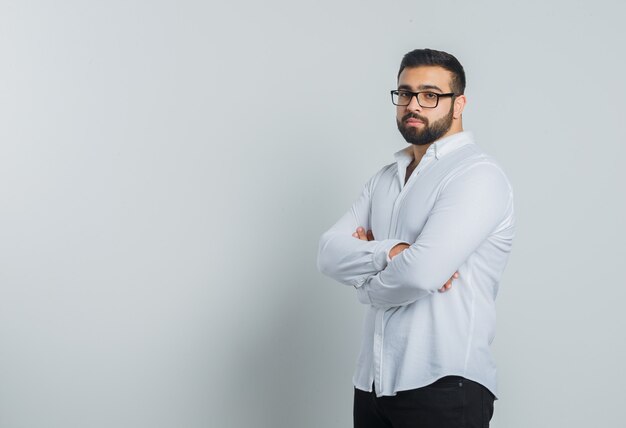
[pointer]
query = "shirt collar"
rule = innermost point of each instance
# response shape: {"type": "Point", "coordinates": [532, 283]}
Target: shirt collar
{"type": "Point", "coordinates": [439, 148]}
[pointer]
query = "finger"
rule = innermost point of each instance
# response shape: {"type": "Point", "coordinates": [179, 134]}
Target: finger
{"type": "Point", "coordinates": [370, 235]}
{"type": "Point", "coordinates": [456, 275]}
{"type": "Point", "coordinates": [361, 233]}
{"type": "Point", "coordinates": [356, 235]}
{"type": "Point", "coordinates": [446, 286]}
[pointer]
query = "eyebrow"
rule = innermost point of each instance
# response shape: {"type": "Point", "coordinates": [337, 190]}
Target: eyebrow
{"type": "Point", "coordinates": [421, 87]}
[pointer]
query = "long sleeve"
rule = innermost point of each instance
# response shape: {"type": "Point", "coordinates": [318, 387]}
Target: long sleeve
{"type": "Point", "coordinates": [350, 260]}
{"type": "Point", "coordinates": [470, 206]}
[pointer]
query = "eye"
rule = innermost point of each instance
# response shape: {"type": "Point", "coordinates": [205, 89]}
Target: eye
{"type": "Point", "coordinates": [430, 95]}
{"type": "Point", "coordinates": [404, 94]}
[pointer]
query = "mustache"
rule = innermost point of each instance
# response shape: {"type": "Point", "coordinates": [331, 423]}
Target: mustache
{"type": "Point", "coordinates": [414, 116]}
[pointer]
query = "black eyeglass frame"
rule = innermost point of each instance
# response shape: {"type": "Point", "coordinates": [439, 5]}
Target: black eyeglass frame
{"type": "Point", "coordinates": [415, 94]}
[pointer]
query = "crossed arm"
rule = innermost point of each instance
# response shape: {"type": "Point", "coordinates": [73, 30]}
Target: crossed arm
{"type": "Point", "coordinates": [369, 236]}
{"type": "Point", "coordinates": [391, 272]}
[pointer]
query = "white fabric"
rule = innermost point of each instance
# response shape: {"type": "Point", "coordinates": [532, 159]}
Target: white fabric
{"type": "Point", "coordinates": [456, 211]}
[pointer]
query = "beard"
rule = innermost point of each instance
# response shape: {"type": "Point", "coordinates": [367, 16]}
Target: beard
{"type": "Point", "coordinates": [429, 133]}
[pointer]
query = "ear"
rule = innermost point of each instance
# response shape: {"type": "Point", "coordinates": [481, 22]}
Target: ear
{"type": "Point", "coordinates": [459, 105]}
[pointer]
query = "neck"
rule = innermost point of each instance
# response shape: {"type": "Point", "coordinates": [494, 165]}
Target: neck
{"type": "Point", "coordinates": [419, 150]}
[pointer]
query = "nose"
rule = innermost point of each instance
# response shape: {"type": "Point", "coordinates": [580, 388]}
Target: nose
{"type": "Point", "coordinates": [413, 104]}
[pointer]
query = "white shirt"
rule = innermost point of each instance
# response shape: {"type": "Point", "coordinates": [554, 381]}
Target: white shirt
{"type": "Point", "coordinates": [456, 211]}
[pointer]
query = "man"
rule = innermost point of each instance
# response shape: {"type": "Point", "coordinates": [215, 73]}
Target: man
{"type": "Point", "coordinates": [442, 213]}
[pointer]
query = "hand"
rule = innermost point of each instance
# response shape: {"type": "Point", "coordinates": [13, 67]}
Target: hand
{"type": "Point", "coordinates": [362, 235]}
{"type": "Point", "coordinates": [448, 284]}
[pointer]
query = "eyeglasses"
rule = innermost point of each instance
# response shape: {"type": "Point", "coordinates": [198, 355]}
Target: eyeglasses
{"type": "Point", "coordinates": [401, 97]}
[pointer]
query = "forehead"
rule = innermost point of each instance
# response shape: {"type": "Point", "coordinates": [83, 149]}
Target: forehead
{"type": "Point", "coordinates": [425, 77]}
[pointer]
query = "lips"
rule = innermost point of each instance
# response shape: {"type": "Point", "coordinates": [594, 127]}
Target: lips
{"type": "Point", "coordinates": [412, 119]}
{"type": "Point", "coordinates": [413, 122]}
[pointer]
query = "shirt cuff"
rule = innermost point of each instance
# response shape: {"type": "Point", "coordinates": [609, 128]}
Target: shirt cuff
{"type": "Point", "coordinates": [381, 252]}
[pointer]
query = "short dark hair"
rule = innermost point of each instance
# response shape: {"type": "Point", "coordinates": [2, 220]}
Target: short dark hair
{"type": "Point", "coordinates": [430, 57]}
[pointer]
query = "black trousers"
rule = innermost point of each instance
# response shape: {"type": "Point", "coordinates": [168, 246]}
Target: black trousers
{"type": "Point", "coordinates": [450, 402]}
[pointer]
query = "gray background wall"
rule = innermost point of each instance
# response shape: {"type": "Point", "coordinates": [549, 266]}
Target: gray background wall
{"type": "Point", "coordinates": [166, 169]}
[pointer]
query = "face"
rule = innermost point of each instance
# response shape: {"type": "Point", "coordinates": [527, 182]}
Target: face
{"type": "Point", "coordinates": [419, 125]}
